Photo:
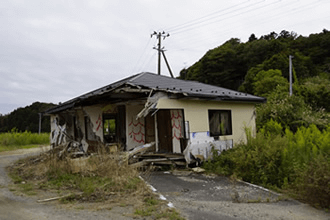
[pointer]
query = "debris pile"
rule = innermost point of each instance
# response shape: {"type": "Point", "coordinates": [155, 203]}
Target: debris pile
{"type": "Point", "coordinates": [137, 157]}
{"type": "Point", "coordinates": [145, 155]}
{"type": "Point", "coordinates": [159, 159]}
{"type": "Point", "coordinates": [71, 149]}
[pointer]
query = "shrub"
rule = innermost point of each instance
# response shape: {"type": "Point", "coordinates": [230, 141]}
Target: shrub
{"type": "Point", "coordinates": [297, 161]}
{"type": "Point", "coordinates": [313, 181]}
{"type": "Point", "coordinates": [291, 112]}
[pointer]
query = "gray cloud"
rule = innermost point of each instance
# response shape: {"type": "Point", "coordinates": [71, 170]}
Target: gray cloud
{"type": "Point", "coordinates": [52, 51]}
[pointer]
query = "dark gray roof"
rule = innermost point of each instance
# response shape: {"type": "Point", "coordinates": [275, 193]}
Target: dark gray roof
{"type": "Point", "coordinates": [156, 82]}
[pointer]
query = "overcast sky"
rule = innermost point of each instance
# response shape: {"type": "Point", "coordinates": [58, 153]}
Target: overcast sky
{"type": "Point", "coordinates": [52, 51]}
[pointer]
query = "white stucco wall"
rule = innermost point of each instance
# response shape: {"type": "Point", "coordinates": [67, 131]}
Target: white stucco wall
{"type": "Point", "coordinates": [135, 129]}
{"type": "Point", "coordinates": [95, 114]}
{"type": "Point", "coordinates": [196, 113]}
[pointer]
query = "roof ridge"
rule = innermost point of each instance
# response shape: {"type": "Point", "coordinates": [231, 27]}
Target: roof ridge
{"type": "Point", "coordinates": [137, 76]}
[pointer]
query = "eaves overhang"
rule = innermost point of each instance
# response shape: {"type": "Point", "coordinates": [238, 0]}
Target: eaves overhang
{"type": "Point", "coordinates": [98, 95]}
{"type": "Point", "coordinates": [139, 85]}
{"type": "Point", "coordinates": [253, 99]}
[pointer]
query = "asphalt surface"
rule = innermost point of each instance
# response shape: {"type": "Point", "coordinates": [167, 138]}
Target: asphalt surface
{"type": "Point", "coordinates": [213, 197]}
{"type": "Point", "coordinates": [196, 197]}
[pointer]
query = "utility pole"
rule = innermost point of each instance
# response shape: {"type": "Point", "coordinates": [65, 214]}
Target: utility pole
{"type": "Point", "coordinates": [167, 64]}
{"type": "Point", "coordinates": [290, 74]}
{"type": "Point", "coordinates": [40, 116]}
{"type": "Point", "coordinates": [161, 50]}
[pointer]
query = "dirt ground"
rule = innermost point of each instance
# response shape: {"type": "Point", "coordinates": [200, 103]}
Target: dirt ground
{"type": "Point", "coordinates": [196, 197]}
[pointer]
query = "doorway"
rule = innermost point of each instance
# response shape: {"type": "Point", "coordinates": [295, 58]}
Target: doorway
{"type": "Point", "coordinates": [164, 131]}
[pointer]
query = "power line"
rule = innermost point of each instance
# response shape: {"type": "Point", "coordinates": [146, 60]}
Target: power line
{"type": "Point", "coordinates": [181, 30]}
{"type": "Point", "coordinates": [143, 66]}
{"type": "Point", "coordinates": [191, 39]}
{"type": "Point", "coordinates": [142, 55]}
{"type": "Point", "coordinates": [192, 22]}
{"type": "Point", "coordinates": [198, 25]}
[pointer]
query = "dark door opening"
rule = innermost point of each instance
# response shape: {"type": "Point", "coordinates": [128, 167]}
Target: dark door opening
{"type": "Point", "coordinates": [110, 128]}
{"type": "Point", "coordinates": [164, 131]}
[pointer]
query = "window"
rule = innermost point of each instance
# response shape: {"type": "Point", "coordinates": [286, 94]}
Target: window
{"type": "Point", "coordinates": [220, 122]}
{"type": "Point", "coordinates": [109, 128]}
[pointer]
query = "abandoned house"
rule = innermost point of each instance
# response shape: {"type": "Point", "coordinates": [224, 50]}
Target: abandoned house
{"type": "Point", "coordinates": [176, 116]}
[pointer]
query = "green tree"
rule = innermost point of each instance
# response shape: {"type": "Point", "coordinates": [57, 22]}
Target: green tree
{"type": "Point", "coordinates": [316, 92]}
{"type": "Point", "coordinates": [252, 38]}
{"type": "Point", "coordinates": [290, 111]}
{"type": "Point", "coordinates": [230, 64]}
{"type": "Point", "coordinates": [265, 82]}
{"type": "Point", "coordinates": [26, 119]}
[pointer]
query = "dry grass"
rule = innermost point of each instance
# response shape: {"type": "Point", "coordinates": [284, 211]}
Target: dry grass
{"type": "Point", "coordinates": [103, 178]}
{"type": "Point", "coordinates": [97, 177]}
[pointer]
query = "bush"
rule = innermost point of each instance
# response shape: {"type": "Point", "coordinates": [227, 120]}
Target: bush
{"type": "Point", "coordinates": [291, 112]}
{"type": "Point", "coordinates": [297, 161]}
{"type": "Point", "coordinates": [313, 181]}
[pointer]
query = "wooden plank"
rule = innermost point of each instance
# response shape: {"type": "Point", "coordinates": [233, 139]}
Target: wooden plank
{"type": "Point", "coordinates": [179, 163]}
{"type": "Point", "coordinates": [155, 160]}
{"type": "Point", "coordinates": [163, 155]}
{"type": "Point", "coordinates": [161, 159]}
{"type": "Point", "coordinates": [139, 164]}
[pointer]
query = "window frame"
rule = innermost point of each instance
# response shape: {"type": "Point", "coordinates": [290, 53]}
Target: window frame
{"type": "Point", "coordinates": [220, 132]}
{"type": "Point", "coordinates": [110, 136]}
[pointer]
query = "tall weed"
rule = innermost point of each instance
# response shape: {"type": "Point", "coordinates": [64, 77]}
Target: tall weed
{"type": "Point", "coordinates": [15, 138]}
{"type": "Point", "coordinates": [296, 161]}
{"type": "Point", "coordinates": [313, 181]}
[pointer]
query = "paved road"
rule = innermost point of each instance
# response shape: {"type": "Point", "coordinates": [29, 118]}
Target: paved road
{"type": "Point", "coordinates": [196, 196]}
{"type": "Point", "coordinates": [201, 197]}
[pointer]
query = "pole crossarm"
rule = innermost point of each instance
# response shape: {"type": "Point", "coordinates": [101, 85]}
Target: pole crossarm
{"type": "Point", "coordinates": [160, 49]}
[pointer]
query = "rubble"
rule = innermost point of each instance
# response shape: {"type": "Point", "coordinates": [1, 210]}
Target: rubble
{"type": "Point", "coordinates": [73, 149]}
{"type": "Point", "coordinates": [140, 156]}
{"type": "Point", "coordinates": [145, 155]}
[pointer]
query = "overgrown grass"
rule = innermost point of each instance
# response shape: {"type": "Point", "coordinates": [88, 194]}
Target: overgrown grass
{"type": "Point", "coordinates": [17, 140]}
{"type": "Point", "coordinates": [99, 178]}
{"type": "Point", "coordinates": [298, 162]}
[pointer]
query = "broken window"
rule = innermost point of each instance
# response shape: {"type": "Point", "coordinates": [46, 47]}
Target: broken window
{"type": "Point", "coordinates": [110, 128]}
{"type": "Point", "coordinates": [220, 122]}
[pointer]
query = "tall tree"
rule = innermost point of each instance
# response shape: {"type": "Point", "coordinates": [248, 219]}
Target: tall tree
{"type": "Point", "coordinates": [26, 119]}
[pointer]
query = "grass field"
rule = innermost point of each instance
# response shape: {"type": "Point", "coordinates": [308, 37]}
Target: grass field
{"type": "Point", "coordinates": [21, 140]}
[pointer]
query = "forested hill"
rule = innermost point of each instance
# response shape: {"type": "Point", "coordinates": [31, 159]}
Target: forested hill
{"type": "Point", "coordinates": [228, 64]}
{"type": "Point", "coordinates": [291, 148]}
{"type": "Point", "coordinates": [261, 67]}
{"type": "Point", "coordinates": [26, 119]}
